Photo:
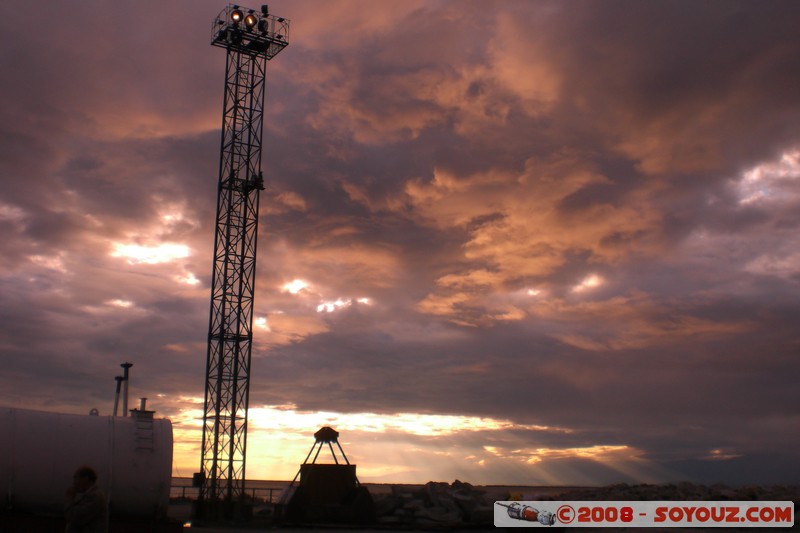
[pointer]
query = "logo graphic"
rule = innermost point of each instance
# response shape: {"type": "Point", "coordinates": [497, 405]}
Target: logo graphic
{"type": "Point", "coordinates": [638, 514]}
{"type": "Point", "coordinates": [527, 513]}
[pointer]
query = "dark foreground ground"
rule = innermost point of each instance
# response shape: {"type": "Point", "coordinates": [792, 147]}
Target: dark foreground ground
{"type": "Point", "coordinates": [461, 507]}
{"type": "Point", "coordinates": [453, 508]}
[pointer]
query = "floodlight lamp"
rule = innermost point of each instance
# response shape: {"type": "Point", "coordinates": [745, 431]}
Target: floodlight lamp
{"type": "Point", "coordinates": [237, 15]}
{"type": "Point", "coordinates": [263, 26]}
{"type": "Point", "coordinates": [265, 9]}
{"type": "Point", "coordinates": [250, 21]}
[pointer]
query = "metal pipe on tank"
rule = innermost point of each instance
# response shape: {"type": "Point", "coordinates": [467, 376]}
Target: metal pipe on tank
{"type": "Point", "coordinates": [116, 396]}
{"type": "Point", "coordinates": [125, 377]}
{"type": "Point", "coordinates": [142, 404]}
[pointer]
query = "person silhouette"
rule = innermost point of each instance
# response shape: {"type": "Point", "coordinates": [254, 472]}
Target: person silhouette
{"type": "Point", "coordinates": [86, 509]}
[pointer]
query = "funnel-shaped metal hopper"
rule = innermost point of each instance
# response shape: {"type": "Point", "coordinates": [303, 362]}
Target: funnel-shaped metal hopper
{"type": "Point", "coordinates": [327, 493]}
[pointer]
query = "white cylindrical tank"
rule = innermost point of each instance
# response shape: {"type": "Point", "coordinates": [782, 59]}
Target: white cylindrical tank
{"type": "Point", "coordinates": [40, 451]}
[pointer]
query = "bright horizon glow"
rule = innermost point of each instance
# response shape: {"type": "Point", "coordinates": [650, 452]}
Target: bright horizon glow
{"type": "Point", "coordinates": [289, 418]}
{"type": "Point", "coordinates": [597, 452]}
{"type": "Point", "coordinates": [413, 446]}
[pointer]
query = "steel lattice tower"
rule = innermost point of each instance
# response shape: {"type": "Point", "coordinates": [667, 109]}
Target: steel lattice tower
{"type": "Point", "coordinates": [251, 38]}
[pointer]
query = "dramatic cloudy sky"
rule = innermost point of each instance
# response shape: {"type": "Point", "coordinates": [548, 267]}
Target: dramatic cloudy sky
{"type": "Point", "coordinates": [506, 242]}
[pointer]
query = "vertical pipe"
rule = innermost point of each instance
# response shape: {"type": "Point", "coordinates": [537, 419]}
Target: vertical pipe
{"type": "Point", "coordinates": [125, 378]}
{"type": "Point", "coordinates": [116, 395]}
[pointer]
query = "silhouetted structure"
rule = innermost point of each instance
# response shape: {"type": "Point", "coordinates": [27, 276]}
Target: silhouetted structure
{"type": "Point", "coordinates": [251, 38]}
{"type": "Point", "coordinates": [327, 493]}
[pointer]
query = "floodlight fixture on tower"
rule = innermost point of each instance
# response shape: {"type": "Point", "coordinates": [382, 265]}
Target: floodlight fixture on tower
{"type": "Point", "coordinates": [249, 31]}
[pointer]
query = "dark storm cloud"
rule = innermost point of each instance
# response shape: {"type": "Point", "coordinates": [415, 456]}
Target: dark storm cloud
{"type": "Point", "coordinates": [574, 216]}
{"type": "Point", "coordinates": [720, 79]}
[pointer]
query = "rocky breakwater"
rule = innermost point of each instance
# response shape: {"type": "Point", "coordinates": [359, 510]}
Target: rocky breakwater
{"type": "Point", "coordinates": [461, 505]}
{"type": "Point", "coordinates": [684, 491]}
{"type": "Point", "coordinates": [435, 505]}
